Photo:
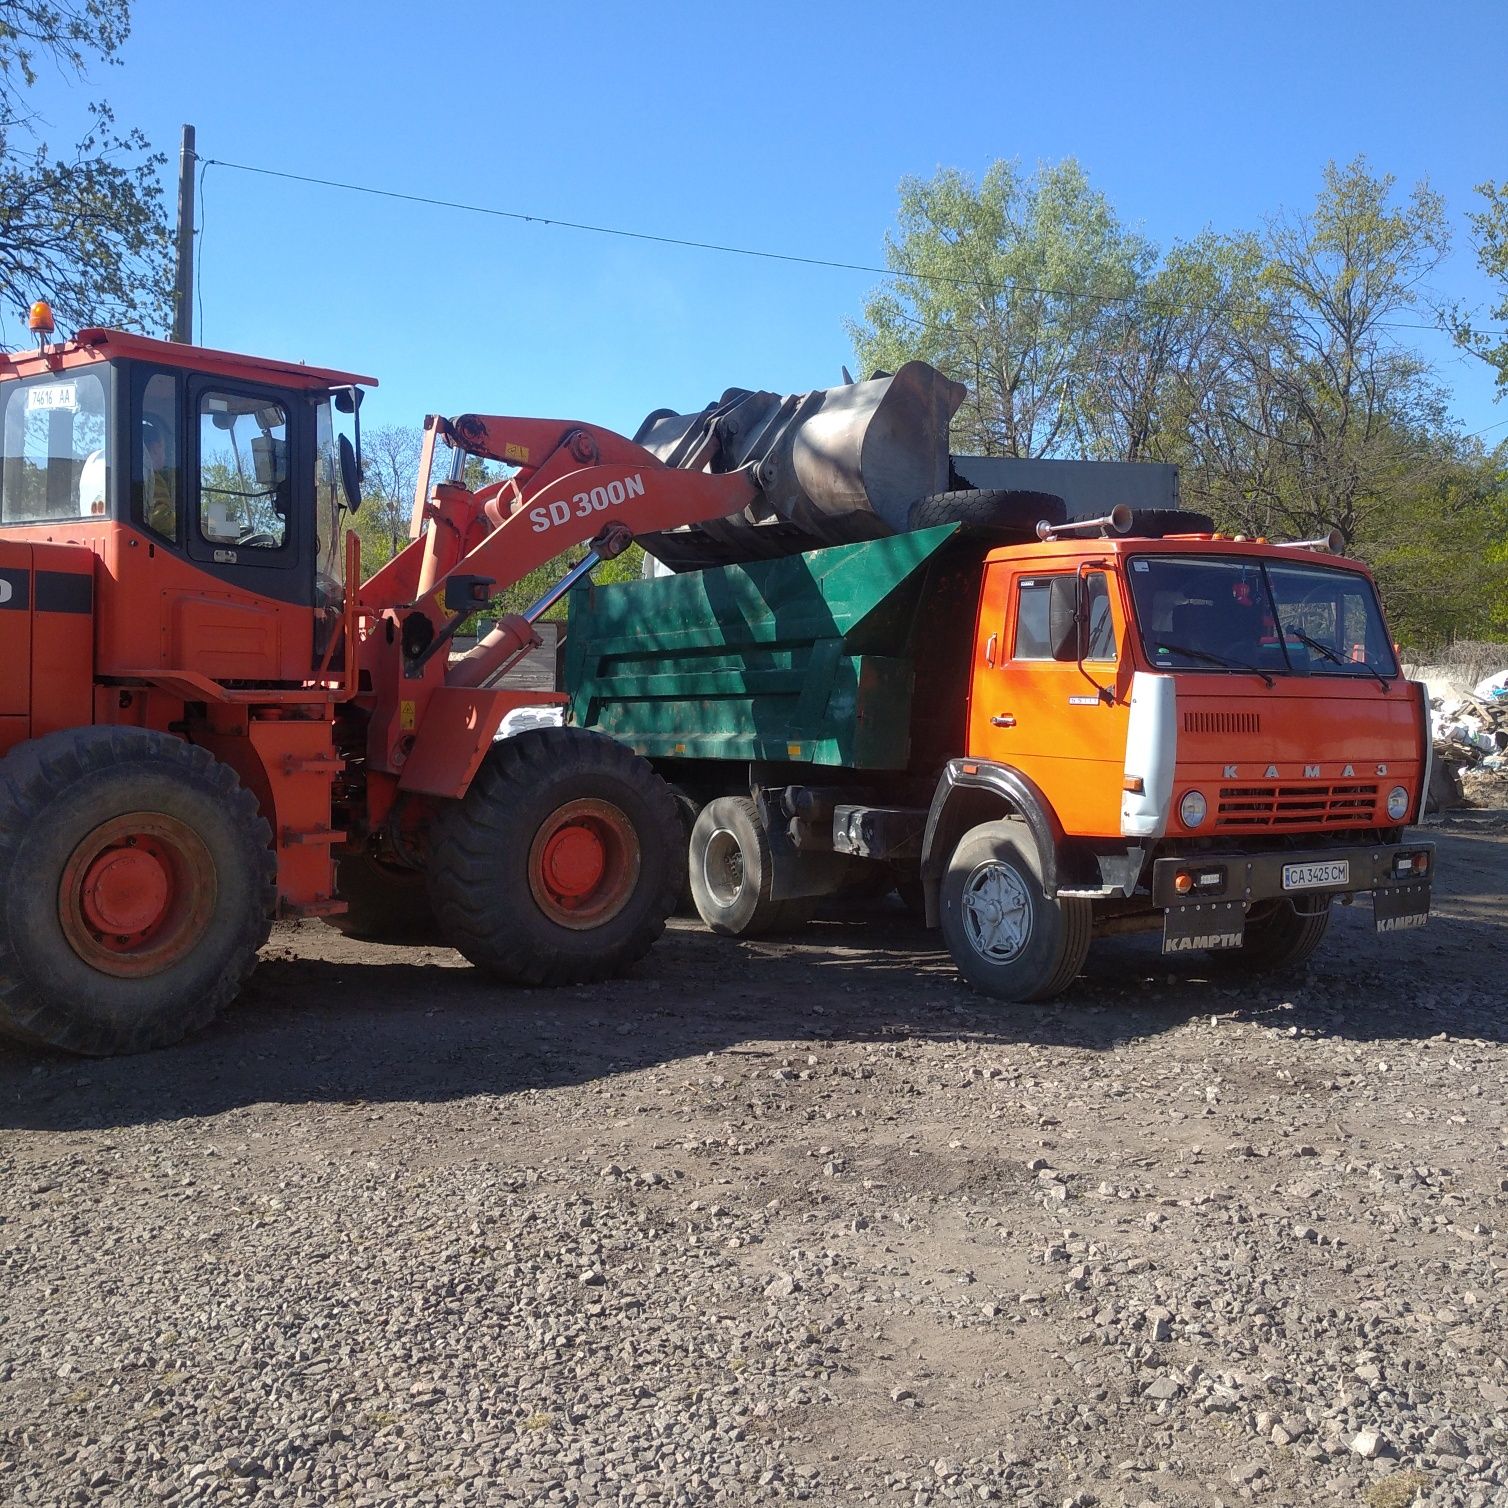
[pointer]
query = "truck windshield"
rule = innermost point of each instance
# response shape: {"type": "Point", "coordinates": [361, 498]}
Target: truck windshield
{"type": "Point", "coordinates": [1273, 616]}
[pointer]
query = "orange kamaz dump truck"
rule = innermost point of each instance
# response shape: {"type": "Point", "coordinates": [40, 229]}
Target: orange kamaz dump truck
{"type": "Point", "coordinates": [1043, 732]}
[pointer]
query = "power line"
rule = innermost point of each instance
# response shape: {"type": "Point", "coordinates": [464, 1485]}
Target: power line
{"type": "Point", "coordinates": [714, 246]}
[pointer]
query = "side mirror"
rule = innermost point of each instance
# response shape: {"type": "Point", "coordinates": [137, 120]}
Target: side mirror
{"type": "Point", "coordinates": [350, 474]}
{"type": "Point", "coordinates": [1063, 617]}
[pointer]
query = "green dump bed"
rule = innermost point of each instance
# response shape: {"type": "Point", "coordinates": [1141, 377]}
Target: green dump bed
{"type": "Point", "coordinates": [811, 658]}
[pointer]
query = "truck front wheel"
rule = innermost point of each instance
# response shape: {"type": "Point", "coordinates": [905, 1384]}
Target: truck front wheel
{"type": "Point", "coordinates": [561, 863]}
{"type": "Point", "coordinates": [1008, 939]}
{"type": "Point", "coordinates": [731, 871]}
{"type": "Point", "coordinates": [1284, 938]}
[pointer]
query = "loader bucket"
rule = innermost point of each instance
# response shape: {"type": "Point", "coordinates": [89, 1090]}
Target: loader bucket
{"type": "Point", "coordinates": [836, 466]}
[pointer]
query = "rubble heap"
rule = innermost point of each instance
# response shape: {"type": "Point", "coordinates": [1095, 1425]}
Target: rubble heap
{"type": "Point", "coordinates": [1471, 746]}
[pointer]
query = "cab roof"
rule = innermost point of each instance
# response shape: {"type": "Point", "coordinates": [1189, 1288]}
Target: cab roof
{"type": "Point", "coordinates": [1121, 545]}
{"type": "Point", "coordinates": [97, 345]}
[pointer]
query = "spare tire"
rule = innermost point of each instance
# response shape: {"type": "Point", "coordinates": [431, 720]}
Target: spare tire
{"type": "Point", "coordinates": [1018, 511]}
{"type": "Point", "coordinates": [1154, 523]}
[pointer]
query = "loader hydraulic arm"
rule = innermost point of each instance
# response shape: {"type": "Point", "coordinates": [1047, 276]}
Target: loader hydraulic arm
{"type": "Point", "coordinates": [574, 483]}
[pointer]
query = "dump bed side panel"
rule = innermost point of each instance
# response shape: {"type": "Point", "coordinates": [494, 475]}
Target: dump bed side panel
{"type": "Point", "coordinates": [810, 658]}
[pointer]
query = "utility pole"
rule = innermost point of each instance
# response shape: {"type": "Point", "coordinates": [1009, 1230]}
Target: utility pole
{"type": "Point", "coordinates": [183, 285]}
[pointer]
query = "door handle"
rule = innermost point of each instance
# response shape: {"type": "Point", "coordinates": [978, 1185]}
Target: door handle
{"type": "Point", "coordinates": [989, 650]}
{"type": "Point", "coordinates": [1003, 720]}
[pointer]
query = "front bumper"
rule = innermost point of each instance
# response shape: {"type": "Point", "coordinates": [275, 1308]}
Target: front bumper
{"type": "Point", "coordinates": [1207, 896]}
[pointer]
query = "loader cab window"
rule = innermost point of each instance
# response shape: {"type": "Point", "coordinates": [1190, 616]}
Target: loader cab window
{"type": "Point", "coordinates": [156, 476]}
{"type": "Point", "coordinates": [56, 459]}
{"type": "Point", "coordinates": [244, 487]}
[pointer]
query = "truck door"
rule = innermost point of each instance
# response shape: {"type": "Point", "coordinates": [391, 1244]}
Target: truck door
{"type": "Point", "coordinates": [1046, 697]}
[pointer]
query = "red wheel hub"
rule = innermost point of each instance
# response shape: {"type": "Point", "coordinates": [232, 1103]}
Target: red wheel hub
{"type": "Point", "coordinates": [574, 860]}
{"type": "Point", "coordinates": [137, 894]}
{"type": "Point", "coordinates": [584, 863]}
{"type": "Point", "coordinates": [127, 890]}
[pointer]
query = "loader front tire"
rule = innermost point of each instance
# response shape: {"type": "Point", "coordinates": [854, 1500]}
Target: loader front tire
{"type": "Point", "coordinates": [137, 882]}
{"type": "Point", "coordinates": [561, 863]}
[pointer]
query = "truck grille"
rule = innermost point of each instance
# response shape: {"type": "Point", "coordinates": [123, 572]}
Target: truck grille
{"type": "Point", "coordinates": [1222, 722]}
{"type": "Point", "coordinates": [1351, 804]}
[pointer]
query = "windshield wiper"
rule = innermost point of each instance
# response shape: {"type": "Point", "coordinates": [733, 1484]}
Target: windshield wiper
{"type": "Point", "coordinates": [1213, 659]}
{"type": "Point", "coordinates": [1334, 658]}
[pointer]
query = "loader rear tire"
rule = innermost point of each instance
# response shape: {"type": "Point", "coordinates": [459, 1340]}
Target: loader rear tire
{"type": "Point", "coordinates": [731, 871]}
{"type": "Point", "coordinates": [137, 882]}
{"type": "Point", "coordinates": [1019, 512]}
{"type": "Point", "coordinates": [385, 902]}
{"type": "Point", "coordinates": [561, 863]}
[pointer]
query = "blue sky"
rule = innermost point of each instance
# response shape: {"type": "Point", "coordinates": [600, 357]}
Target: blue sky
{"type": "Point", "coordinates": [783, 126]}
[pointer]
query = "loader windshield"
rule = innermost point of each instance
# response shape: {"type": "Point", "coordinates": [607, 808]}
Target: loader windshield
{"type": "Point", "coordinates": [56, 459]}
{"type": "Point", "coordinates": [1241, 614]}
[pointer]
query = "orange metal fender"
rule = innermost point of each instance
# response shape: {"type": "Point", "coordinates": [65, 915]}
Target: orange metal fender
{"type": "Point", "coordinates": [455, 734]}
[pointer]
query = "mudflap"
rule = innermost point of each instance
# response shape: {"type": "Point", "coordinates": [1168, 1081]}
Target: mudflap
{"type": "Point", "coordinates": [1203, 925]}
{"type": "Point", "coordinates": [1396, 908]}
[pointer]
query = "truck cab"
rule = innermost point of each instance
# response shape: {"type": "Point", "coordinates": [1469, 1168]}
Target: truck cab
{"type": "Point", "coordinates": [1208, 733]}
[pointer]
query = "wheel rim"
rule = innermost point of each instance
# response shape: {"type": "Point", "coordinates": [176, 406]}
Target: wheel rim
{"type": "Point", "coordinates": [997, 912]}
{"type": "Point", "coordinates": [583, 864]}
{"type": "Point", "coordinates": [137, 895]}
{"type": "Point", "coordinates": [723, 867]}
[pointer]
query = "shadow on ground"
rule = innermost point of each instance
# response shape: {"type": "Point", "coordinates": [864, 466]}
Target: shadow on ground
{"type": "Point", "coordinates": [325, 1020]}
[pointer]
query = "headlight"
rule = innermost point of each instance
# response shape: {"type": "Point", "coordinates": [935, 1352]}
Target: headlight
{"type": "Point", "coordinates": [1398, 803]}
{"type": "Point", "coordinates": [1191, 809]}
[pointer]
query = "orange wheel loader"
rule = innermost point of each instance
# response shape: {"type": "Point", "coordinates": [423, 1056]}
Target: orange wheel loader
{"type": "Point", "coordinates": [208, 720]}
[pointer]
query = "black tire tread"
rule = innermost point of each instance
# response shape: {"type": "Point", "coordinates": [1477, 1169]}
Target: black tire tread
{"type": "Point", "coordinates": [993, 507]}
{"type": "Point", "coordinates": [470, 904]}
{"type": "Point", "coordinates": [1285, 939]}
{"type": "Point", "coordinates": [31, 776]}
{"type": "Point", "coordinates": [1077, 915]}
{"type": "Point", "coordinates": [1154, 523]}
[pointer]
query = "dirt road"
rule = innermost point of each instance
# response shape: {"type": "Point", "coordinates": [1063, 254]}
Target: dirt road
{"type": "Point", "coordinates": [782, 1220]}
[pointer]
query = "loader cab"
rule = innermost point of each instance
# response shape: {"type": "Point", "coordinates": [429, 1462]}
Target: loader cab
{"type": "Point", "coordinates": [211, 490]}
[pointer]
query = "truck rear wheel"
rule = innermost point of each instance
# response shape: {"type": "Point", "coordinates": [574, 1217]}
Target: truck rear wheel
{"type": "Point", "coordinates": [137, 882]}
{"type": "Point", "coordinates": [385, 903]}
{"type": "Point", "coordinates": [561, 863]}
{"type": "Point", "coordinates": [1008, 939]}
{"type": "Point", "coordinates": [1284, 938]}
{"type": "Point", "coordinates": [731, 872]}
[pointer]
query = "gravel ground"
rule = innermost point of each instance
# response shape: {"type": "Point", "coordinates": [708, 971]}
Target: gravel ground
{"type": "Point", "coordinates": [780, 1220]}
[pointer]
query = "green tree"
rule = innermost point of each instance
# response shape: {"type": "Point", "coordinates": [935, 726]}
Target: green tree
{"type": "Point", "coordinates": [1005, 285]}
{"type": "Point", "coordinates": [1440, 552]}
{"type": "Point", "coordinates": [84, 228]}
{"type": "Point", "coordinates": [1163, 366]}
{"type": "Point", "coordinates": [1491, 227]}
{"type": "Point", "coordinates": [1317, 419]}
{"type": "Point", "coordinates": [390, 473]}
